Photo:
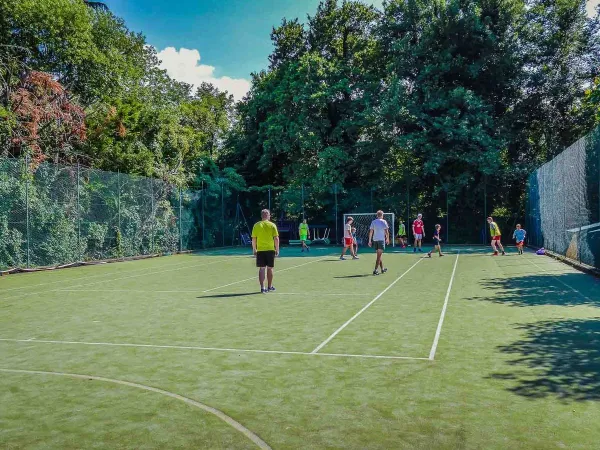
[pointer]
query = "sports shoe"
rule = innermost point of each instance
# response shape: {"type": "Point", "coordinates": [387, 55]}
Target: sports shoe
{"type": "Point", "coordinates": [342, 258]}
{"type": "Point", "coordinates": [503, 253]}
{"type": "Point", "coordinates": [271, 289]}
{"type": "Point", "coordinates": [421, 250]}
{"type": "Point", "coordinates": [429, 255]}
{"type": "Point", "coordinates": [495, 254]}
{"type": "Point", "coordinates": [355, 257]}
{"type": "Point", "coordinates": [263, 291]}
{"type": "Point", "coordinates": [415, 250]}
{"type": "Point", "coordinates": [384, 270]}
{"type": "Point", "coordinates": [375, 272]}
{"type": "Point", "coordinates": [441, 254]}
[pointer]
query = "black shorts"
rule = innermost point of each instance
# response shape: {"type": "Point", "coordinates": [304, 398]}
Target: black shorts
{"type": "Point", "coordinates": [265, 259]}
{"type": "Point", "coordinates": [379, 245]}
{"type": "Point", "coordinates": [436, 241]}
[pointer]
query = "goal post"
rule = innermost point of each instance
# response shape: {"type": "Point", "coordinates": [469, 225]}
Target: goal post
{"type": "Point", "coordinates": [362, 223]}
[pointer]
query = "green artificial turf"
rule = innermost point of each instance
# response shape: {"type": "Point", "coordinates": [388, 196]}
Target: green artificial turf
{"type": "Point", "coordinates": [517, 364]}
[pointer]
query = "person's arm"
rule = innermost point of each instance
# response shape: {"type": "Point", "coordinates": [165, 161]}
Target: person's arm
{"type": "Point", "coordinates": [423, 229]}
{"type": "Point", "coordinates": [370, 236]}
{"type": "Point", "coordinates": [413, 229]}
{"type": "Point", "coordinates": [387, 236]}
{"type": "Point", "coordinates": [515, 235]}
{"type": "Point", "coordinates": [254, 245]}
{"type": "Point", "coordinates": [276, 240]}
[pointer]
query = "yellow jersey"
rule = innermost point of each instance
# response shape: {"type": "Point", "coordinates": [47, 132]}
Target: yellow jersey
{"type": "Point", "coordinates": [264, 232]}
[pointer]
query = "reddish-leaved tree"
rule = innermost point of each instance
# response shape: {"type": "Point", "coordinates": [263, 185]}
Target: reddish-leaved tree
{"type": "Point", "coordinates": [48, 122]}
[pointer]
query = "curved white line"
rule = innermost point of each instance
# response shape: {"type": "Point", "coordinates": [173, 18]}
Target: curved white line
{"type": "Point", "coordinates": [220, 414]}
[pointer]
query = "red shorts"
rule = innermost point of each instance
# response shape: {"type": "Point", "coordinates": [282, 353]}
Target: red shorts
{"type": "Point", "coordinates": [348, 242]}
{"type": "Point", "coordinates": [496, 238]}
{"type": "Point", "coordinates": [519, 243]}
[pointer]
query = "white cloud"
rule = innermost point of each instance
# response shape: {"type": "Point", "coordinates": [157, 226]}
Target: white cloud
{"type": "Point", "coordinates": [184, 65]}
{"type": "Point", "coordinates": [591, 7]}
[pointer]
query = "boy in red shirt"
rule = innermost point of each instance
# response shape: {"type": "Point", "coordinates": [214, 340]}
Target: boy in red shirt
{"type": "Point", "coordinates": [418, 229]}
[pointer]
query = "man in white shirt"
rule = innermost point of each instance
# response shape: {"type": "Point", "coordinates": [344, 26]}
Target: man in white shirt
{"type": "Point", "coordinates": [379, 236]}
{"type": "Point", "coordinates": [348, 239]}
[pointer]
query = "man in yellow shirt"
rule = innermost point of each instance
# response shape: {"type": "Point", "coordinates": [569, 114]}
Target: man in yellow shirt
{"type": "Point", "coordinates": [265, 246]}
{"type": "Point", "coordinates": [496, 236]}
{"type": "Point", "coordinates": [303, 231]}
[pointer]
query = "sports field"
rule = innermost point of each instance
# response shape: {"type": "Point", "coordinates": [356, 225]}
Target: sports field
{"type": "Point", "coordinates": [467, 351]}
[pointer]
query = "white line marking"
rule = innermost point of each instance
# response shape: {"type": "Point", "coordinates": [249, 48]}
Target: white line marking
{"type": "Point", "coordinates": [26, 294]}
{"type": "Point", "coordinates": [560, 281]}
{"type": "Point", "coordinates": [438, 332]}
{"type": "Point", "coordinates": [335, 333]}
{"type": "Point", "coordinates": [255, 277]}
{"type": "Point", "coordinates": [220, 414]}
{"type": "Point", "coordinates": [308, 293]}
{"type": "Point", "coordinates": [98, 275]}
{"type": "Point", "coordinates": [217, 349]}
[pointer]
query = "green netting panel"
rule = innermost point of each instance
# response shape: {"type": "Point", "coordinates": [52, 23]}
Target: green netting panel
{"type": "Point", "coordinates": [563, 205]}
{"type": "Point", "coordinates": [13, 213]}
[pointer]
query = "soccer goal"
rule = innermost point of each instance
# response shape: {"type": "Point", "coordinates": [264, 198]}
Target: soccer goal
{"type": "Point", "coordinates": [362, 223]}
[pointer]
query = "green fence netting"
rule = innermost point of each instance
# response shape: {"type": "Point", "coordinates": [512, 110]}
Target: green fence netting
{"type": "Point", "coordinates": [563, 207]}
{"type": "Point", "coordinates": [54, 214]}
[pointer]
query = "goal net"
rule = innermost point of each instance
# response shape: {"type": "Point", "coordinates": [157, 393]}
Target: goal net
{"type": "Point", "coordinates": [362, 223]}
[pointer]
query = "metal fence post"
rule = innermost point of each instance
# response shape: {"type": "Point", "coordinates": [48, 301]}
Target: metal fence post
{"type": "Point", "coordinates": [202, 202]}
{"type": "Point", "coordinates": [180, 220]}
{"type": "Point", "coordinates": [222, 216]}
{"type": "Point", "coordinates": [485, 215]}
{"type": "Point", "coordinates": [447, 218]}
{"type": "Point", "coordinates": [27, 207]}
{"type": "Point", "coordinates": [78, 216]}
{"type": "Point", "coordinates": [303, 214]}
{"type": "Point", "coordinates": [336, 212]}
{"type": "Point", "coordinates": [152, 216]}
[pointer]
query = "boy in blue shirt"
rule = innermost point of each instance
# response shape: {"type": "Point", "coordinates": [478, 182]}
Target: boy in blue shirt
{"type": "Point", "coordinates": [519, 236]}
{"type": "Point", "coordinates": [437, 241]}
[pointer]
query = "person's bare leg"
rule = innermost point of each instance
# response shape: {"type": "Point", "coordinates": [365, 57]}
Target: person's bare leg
{"type": "Point", "coordinates": [380, 258]}
{"type": "Point", "coordinates": [270, 276]}
{"type": "Point", "coordinates": [261, 277]}
{"type": "Point", "coordinates": [344, 251]}
{"type": "Point", "coordinates": [494, 247]}
{"type": "Point", "coordinates": [500, 246]}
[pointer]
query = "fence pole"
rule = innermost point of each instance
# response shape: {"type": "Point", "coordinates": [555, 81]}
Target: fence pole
{"type": "Point", "coordinates": [269, 198]}
{"type": "Point", "coordinates": [152, 217]}
{"type": "Point", "coordinates": [27, 206]}
{"type": "Point", "coordinates": [78, 216]}
{"type": "Point", "coordinates": [119, 211]}
{"type": "Point", "coordinates": [180, 221]}
{"type": "Point", "coordinates": [222, 215]}
{"type": "Point", "coordinates": [447, 218]}
{"type": "Point", "coordinates": [485, 215]}
{"type": "Point", "coordinates": [336, 212]}
{"type": "Point", "coordinates": [303, 215]}
{"type": "Point", "coordinates": [202, 206]}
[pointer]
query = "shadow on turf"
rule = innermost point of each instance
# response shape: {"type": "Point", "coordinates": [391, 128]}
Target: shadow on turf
{"type": "Point", "coordinates": [556, 358]}
{"type": "Point", "coordinates": [243, 294]}
{"type": "Point", "coordinates": [355, 276]}
{"type": "Point", "coordinates": [542, 289]}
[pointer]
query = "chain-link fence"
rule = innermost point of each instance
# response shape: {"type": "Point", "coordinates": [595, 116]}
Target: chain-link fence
{"type": "Point", "coordinates": [53, 214]}
{"type": "Point", "coordinates": [563, 210]}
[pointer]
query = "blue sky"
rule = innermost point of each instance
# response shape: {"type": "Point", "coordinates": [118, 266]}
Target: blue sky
{"type": "Point", "coordinates": [223, 40]}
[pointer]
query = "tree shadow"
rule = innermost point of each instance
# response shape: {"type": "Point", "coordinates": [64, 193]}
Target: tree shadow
{"type": "Point", "coordinates": [542, 289]}
{"type": "Point", "coordinates": [559, 358]}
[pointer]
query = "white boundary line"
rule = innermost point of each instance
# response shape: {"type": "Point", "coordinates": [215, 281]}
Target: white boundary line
{"type": "Point", "coordinates": [220, 414]}
{"type": "Point", "coordinates": [217, 349]}
{"type": "Point", "coordinates": [320, 294]}
{"type": "Point", "coordinates": [438, 332]}
{"type": "Point", "coordinates": [335, 333]}
{"type": "Point", "coordinates": [559, 280]}
{"type": "Point", "coordinates": [101, 264]}
{"type": "Point", "coordinates": [255, 278]}
{"type": "Point", "coordinates": [26, 294]}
